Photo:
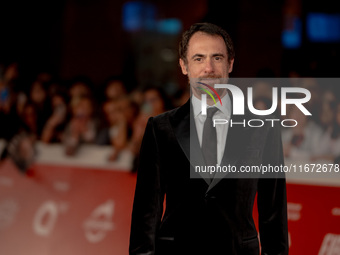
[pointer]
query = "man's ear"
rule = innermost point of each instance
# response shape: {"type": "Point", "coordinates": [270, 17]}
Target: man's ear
{"type": "Point", "coordinates": [231, 64]}
{"type": "Point", "coordinates": [183, 66]}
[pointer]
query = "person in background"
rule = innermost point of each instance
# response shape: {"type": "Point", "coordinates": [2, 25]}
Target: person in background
{"type": "Point", "coordinates": [20, 145]}
{"type": "Point", "coordinates": [21, 149]}
{"type": "Point", "coordinates": [55, 125]}
{"type": "Point", "coordinates": [82, 126]}
{"type": "Point", "coordinates": [79, 87]}
{"type": "Point", "coordinates": [130, 109]}
{"type": "Point", "coordinates": [262, 88]}
{"type": "Point", "coordinates": [117, 127]}
{"type": "Point", "coordinates": [137, 96]}
{"type": "Point", "coordinates": [112, 117]}
{"type": "Point", "coordinates": [303, 140]}
{"type": "Point", "coordinates": [326, 110]}
{"type": "Point", "coordinates": [8, 115]}
{"type": "Point", "coordinates": [18, 120]}
{"type": "Point", "coordinates": [114, 88]}
{"type": "Point", "coordinates": [38, 97]}
{"type": "Point", "coordinates": [119, 116]}
{"type": "Point", "coordinates": [262, 103]}
{"type": "Point", "coordinates": [329, 145]}
{"type": "Point", "coordinates": [29, 119]}
{"type": "Point", "coordinates": [155, 102]}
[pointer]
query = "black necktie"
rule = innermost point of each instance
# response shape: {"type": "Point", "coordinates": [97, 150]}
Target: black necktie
{"type": "Point", "coordinates": [209, 139]}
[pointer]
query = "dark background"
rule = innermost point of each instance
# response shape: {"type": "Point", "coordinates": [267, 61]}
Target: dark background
{"type": "Point", "coordinates": [86, 37]}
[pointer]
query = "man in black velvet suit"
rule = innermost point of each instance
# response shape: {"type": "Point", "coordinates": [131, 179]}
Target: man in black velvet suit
{"type": "Point", "coordinates": [207, 214]}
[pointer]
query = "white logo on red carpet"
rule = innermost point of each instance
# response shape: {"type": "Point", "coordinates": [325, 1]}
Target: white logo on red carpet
{"type": "Point", "coordinates": [8, 211]}
{"type": "Point", "coordinates": [336, 211]}
{"type": "Point", "coordinates": [330, 245]}
{"type": "Point", "coordinates": [46, 216]}
{"type": "Point", "coordinates": [294, 211]}
{"type": "Point", "coordinates": [99, 222]}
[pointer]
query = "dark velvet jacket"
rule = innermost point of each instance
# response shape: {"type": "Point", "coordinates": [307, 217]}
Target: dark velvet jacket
{"type": "Point", "coordinates": [203, 216]}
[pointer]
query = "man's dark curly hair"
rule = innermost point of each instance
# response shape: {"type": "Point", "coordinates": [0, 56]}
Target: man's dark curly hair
{"type": "Point", "coordinates": [207, 28]}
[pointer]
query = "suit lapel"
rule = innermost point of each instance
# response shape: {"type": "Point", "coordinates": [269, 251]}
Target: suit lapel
{"type": "Point", "coordinates": [184, 128]}
{"type": "Point", "coordinates": [185, 131]}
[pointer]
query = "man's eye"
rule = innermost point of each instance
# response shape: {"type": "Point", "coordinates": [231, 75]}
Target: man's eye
{"type": "Point", "coordinates": [218, 58]}
{"type": "Point", "coordinates": [198, 59]}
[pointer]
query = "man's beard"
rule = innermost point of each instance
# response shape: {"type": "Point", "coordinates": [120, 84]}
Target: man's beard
{"type": "Point", "coordinates": [199, 85]}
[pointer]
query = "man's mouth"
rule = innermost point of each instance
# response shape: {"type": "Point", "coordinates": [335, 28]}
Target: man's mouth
{"type": "Point", "coordinates": [211, 80]}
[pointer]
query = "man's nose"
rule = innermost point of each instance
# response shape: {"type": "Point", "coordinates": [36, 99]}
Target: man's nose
{"type": "Point", "coordinates": [209, 67]}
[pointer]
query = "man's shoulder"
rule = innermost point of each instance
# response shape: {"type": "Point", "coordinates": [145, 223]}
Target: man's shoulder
{"type": "Point", "coordinates": [166, 115]}
{"type": "Point", "coordinates": [177, 113]}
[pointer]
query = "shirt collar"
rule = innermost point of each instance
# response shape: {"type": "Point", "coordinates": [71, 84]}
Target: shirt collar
{"type": "Point", "coordinates": [225, 108]}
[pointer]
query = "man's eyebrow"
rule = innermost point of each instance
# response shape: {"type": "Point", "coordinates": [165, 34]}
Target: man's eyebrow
{"type": "Point", "coordinates": [218, 55]}
{"type": "Point", "coordinates": [197, 55]}
{"type": "Point", "coordinates": [213, 55]}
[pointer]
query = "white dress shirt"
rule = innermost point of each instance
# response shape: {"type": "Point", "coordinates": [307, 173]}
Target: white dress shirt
{"type": "Point", "coordinates": [224, 112]}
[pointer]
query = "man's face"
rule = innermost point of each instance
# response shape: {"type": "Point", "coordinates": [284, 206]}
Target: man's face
{"type": "Point", "coordinates": [207, 62]}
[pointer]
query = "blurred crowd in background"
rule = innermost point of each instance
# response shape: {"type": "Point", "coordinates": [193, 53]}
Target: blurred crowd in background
{"type": "Point", "coordinates": [77, 112]}
{"type": "Point", "coordinates": [46, 45]}
{"type": "Point", "coordinates": [315, 138]}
